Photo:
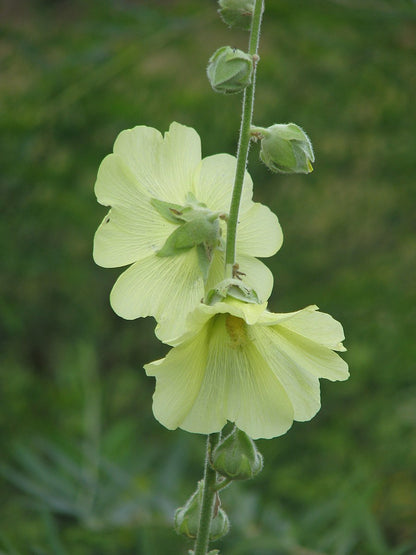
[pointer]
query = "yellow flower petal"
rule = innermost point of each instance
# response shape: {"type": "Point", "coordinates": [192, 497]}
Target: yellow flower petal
{"type": "Point", "coordinates": [166, 288]}
{"type": "Point", "coordinates": [318, 360]}
{"type": "Point", "coordinates": [257, 275]}
{"type": "Point", "coordinates": [164, 166]}
{"type": "Point", "coordinates": [318, 327]}
{"type": "Point", "coordinates": [308, 322]}
{"type": "Point", "coordinates": [259, 232]}
{"type": "Point", "coordinates": [146, 165]}
{"type": "Point", "coordinates": [176, 389]}
{"type": "Point", "coordinates": [216, 383]}
{"type": "Point", "coordinates": [260, 406]}
{"type": "Point", "coordinates": [123, 237]}
{"type": "Point", "coordinates": [301, 386]}
{"type": "Point", "coordinates": [216, 271]}
{"type": "Point", "coordinates": [116, 184]}
{"type": "Point", "coordinates": [214, 183]}
{"type": "Point", "coordinates": [232, 364]}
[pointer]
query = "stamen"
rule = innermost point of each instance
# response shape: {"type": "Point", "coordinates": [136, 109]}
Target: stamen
{"type": "Point", "coordinates": [237, 331]}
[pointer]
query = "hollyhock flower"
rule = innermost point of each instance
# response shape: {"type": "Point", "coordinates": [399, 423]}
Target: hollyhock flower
{"type": "Point", "coordinates": [238, 362]}
{"type": "Point", "coordinates": [167, 221]}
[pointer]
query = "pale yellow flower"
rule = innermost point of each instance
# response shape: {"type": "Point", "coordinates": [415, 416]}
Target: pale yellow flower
{"type": "Point", "coordinates": [146, 168]}
{"type": "Point", "coordinates": [238, 362]}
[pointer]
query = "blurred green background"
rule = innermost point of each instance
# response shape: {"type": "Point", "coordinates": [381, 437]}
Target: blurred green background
{"type": "Point", "coordinates": [85, 468]}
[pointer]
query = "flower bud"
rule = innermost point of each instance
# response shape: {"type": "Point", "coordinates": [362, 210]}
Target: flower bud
{"type": "Point", "coordinates": [220, 525]}
{"type": "Point", "coordinates": [229, 70]}
{"type": "Point", "coordinates": [285, 148]}
{"type": "Point", "coordinates": [236, 13]}
{"type": "Point", "coordinates": [187, 517]}
{"type": "Point", "coordinates": [237, 457]}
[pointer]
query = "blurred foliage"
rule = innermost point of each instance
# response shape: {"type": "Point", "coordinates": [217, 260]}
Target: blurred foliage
{"type": "Point", "coordinates": [86, 469]}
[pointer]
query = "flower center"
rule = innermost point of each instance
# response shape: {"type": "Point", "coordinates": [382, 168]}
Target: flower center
{"type": "Point", "coordinates": [237, 331]}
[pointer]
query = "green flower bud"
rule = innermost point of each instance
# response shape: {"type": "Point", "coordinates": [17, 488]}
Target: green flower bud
{"type": "Point", "coordinates": [187, 517]}
{"type": "Point", "coordinates": [237, 13]}
{"type": "Point", "coordinates": [220, 525]}
{"type": "Point", "coordinates": [229, 70]}
{"type": "Point", "coordinates": [237, 457]}
{"type": "Point", "coordinates": [285, 148]}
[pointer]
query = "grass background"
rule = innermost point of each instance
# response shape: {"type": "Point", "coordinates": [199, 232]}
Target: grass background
{"type": "Point", "coordinates": [85, 468]}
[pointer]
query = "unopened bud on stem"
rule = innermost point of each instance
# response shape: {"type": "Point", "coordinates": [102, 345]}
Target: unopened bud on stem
{"type": "Point", "coordinates": [230, 70]}
{"type": "Point", "coordinates": [187, 517]}
{"type": "Point", "coordinates": [237, 13]}
{"type": "Point", "coordinates": [237, 457]}
{"type": "Point", "coordinates": [285, 148]}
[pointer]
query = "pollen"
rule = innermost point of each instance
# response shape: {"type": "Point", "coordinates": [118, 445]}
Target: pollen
{"type": "Point", "coordinates": [237, 331]}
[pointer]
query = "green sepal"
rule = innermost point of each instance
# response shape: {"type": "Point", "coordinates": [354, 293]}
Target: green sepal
{"type": "Point", "coordinates": [220, 525]}
{"type": "Point", "coordinates": [204, 260]}
{"type": "Point", "coordinates": [178, 242]}
{"type": "Point", "coordinates": [199, 230]}
{"type": "Point", "coordinates": [285, 148]}
{"type": "Point", "coordinates": [193, 201]}
{"type": "Point", "coordinates": [237, 457]}
{"type": "Point", "coordinates": [170, 211]}
{"type": "Point", "coordinates": [230, 70]}
{"type": "Point", "coordinates": [187, 518]}
{"type": "Point", "coordinates": [231, 287]}
{"type": "Point", "coordinates": [243, 293]}
{"type": "Point", "coordinates": [236, 13]}
{"type": "Point", "coordinates": [190, 213]}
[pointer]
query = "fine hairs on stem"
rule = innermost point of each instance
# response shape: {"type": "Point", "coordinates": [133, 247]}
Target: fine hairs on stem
{"type": "Point", "coordinates": [207, 508]}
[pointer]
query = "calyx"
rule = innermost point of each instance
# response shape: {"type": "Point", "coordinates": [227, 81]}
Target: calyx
{"type": "Point", "coordinates": [234, 288]}
{"type": "Point", "coordinates": [198, 226]}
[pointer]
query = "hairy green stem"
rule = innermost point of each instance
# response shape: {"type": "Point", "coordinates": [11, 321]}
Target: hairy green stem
{"type": "Point", "coordinates": [210, 475]}
{"type": "Point", "coordinates": [243, 143]}
{"type": "Point", "coordinates": [222, 484]}
{"type": "Point", "coordinates": [208, 497]}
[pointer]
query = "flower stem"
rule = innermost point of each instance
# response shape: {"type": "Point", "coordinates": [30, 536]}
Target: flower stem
{"type": "Point", "coordinates": [210, 475]}
{"type": "Point", "coordinates": [208, 497]}
{"type": "Point", "coordinates": [222, 484]}
{"type": "Point", "coordinates": [243, 142]}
